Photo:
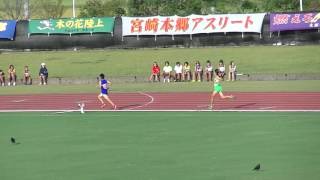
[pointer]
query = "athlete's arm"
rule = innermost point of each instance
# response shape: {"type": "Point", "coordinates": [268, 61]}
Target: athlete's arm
{"type": "Point", "coordinates": [217, 79]}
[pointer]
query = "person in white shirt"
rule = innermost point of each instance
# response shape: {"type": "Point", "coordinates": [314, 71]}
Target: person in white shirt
{"type": "Point", "coordinates": [232, 71]}
{"type": "Point", "coordinates": [178, 72]}
{"type": "Point", "coordinates": [222, 69]}
{"type": "Point", "coordinates": [167, 69]}
{"type": "Point", "coordinates": [209, 71]}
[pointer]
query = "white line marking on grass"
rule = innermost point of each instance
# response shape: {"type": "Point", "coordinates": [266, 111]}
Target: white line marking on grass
{"type": "Point", "coordinates": [144, 105]}
{"type": "Point", "coordinates": [65, 111]}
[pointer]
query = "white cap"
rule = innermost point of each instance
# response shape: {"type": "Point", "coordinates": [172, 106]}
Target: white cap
{"type": "Point", "coordinates": [43, 64]}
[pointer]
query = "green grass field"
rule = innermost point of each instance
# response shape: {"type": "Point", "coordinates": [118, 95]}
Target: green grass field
{"type": "Point", "coordinates": [80, 64]}
{"type": "Point", "coordinates": [136, 146]}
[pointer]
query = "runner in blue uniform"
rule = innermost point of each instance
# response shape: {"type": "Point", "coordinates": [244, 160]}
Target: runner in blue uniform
{"type": "Point", "coordinates": [104, 85]}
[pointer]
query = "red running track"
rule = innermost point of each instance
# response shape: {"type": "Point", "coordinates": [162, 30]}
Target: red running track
{"type": "Point", "coordinates": [165, 101]}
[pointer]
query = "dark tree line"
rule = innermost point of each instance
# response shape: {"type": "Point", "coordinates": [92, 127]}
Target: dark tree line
{"type": "Point", "coordinates": [23, 9]}
{"type": "Point", "coordinates": [187, 7]}
{"type": "Point", "coordinates": [14, 9]}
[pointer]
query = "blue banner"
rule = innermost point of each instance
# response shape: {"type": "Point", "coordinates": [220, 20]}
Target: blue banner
{"type": "Point", "coordinates": [7, 29]}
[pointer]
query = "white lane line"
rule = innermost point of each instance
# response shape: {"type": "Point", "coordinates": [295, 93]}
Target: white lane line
{"type": "Point", "coordinates": [203, 106]}
{"type": "Point", "coordinates": [144, 105]}
{"type": "Point", "coordinates": [18, 101]}
{"type": "Point", "coordinates": [85, 101]}
{"type": "Point", "coordinates": [265, 108]}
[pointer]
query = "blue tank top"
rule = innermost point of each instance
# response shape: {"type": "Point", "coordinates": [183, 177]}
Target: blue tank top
{"type": "Point", "coordinates": [104, 90]}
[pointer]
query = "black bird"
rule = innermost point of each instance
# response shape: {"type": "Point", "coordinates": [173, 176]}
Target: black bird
{"type": "Point", "coordinates": [257, 167]}
{"type": "Point", "coordinates": [13, 140]}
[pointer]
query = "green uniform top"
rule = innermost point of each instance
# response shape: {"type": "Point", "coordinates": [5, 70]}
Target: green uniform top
{"type": "Point", "coordinates": [217, 86]}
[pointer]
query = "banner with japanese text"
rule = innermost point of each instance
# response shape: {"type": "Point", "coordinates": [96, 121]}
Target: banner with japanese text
{"type": "Point", "coordinates": [72, 26]}
{"type": "Point", "coordinates": [7, 29]}
{"type": "Point", "coordinates": [294, 21]}
{"type": "Point", "coordinates": [193, 24]}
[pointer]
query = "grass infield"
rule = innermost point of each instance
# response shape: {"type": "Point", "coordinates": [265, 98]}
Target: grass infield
{"type": "Point", "coordinates": [159, 146]}
{"type": "Point", "coordinates": [89, 63]}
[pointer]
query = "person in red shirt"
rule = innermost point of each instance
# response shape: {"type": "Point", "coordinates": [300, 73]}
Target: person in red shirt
{"type": "Point", "coordinates": [155, 72]}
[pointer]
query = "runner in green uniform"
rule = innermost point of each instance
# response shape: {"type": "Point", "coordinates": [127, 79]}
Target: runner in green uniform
{"type": "Point", "coordinates": [217, 89]}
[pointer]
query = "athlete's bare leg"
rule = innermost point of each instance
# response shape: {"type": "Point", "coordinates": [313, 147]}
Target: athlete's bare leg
{"type": "Point", "coordinates": [109, 101]}
{"type": "Point", "coordinates": [212, 99]}
{"type": "Point", "coordinates": [101, 100]}
{"type": "Point", "coordinates": [225, 97]}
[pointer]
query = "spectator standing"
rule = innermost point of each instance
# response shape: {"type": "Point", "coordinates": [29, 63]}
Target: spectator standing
{"type": "Point", "coordinates": [12, 76]}
{"type": "Point", "coordinates": [198, 71]}
{"type": "Point", "coordinates": [155, 72]}
{"type": "Point", "coordinates": [2, 78]}
{"type": "Point", "coordinates": [27, 76]}
{"type": "Point", "coordinates": [43, 74]}
{"type": "Point", "coordinates": [178, 72]}
{"type": "Point", "coordinates": [232, 71]}
{"type": "Point", "coordinates": [222, 69]}
{"type": "Point", "coordinates": [186, 71]}
{"type": "Point", "coordinates": [167, 69]}
{"type": "Point", "coordinates": [209, 71]}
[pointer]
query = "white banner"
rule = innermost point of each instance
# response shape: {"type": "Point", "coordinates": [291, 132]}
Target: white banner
{"type": "Point", "coordinates": [193, 24]}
